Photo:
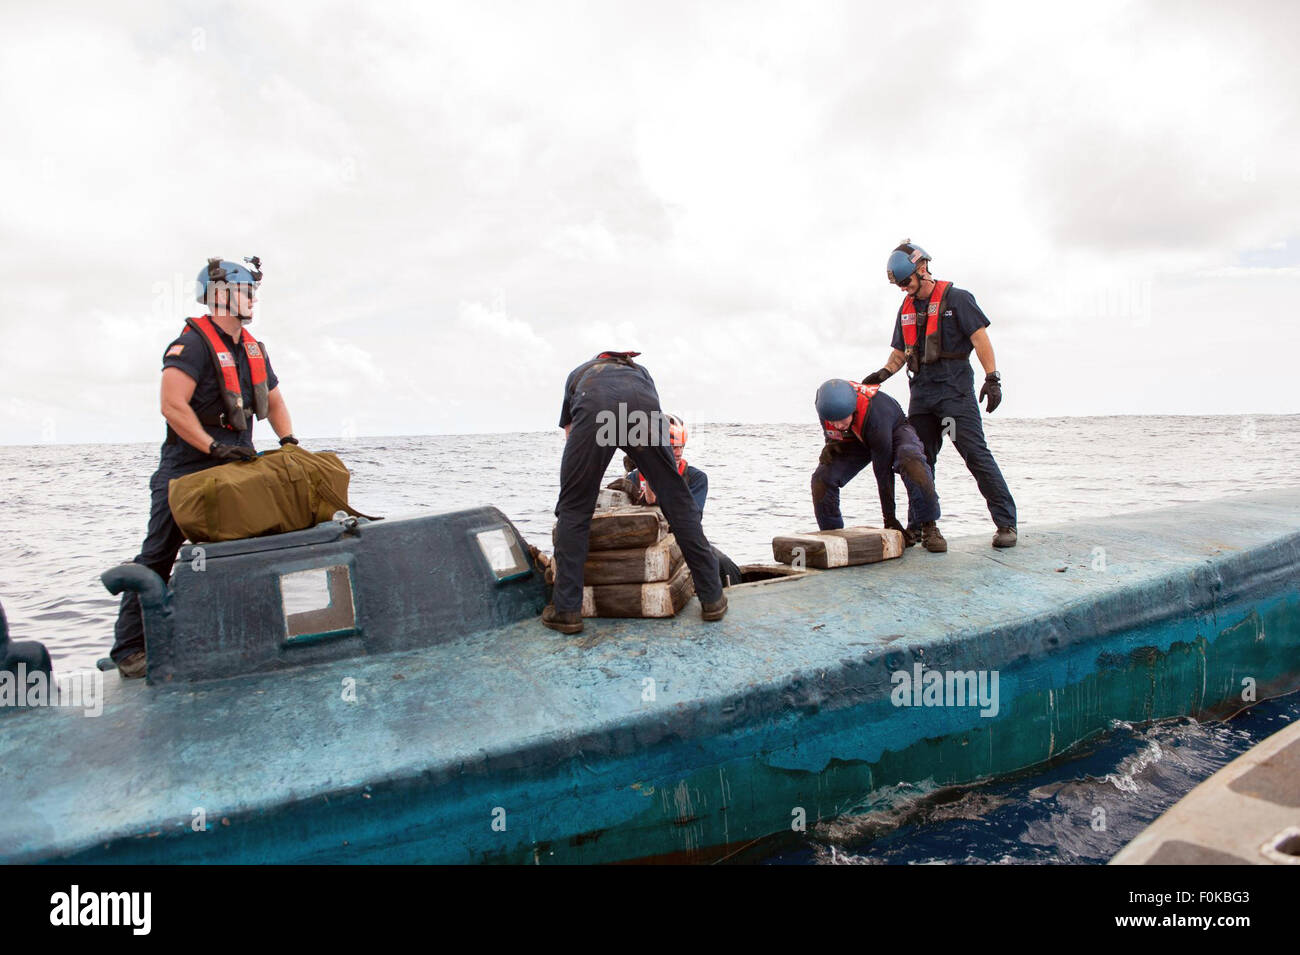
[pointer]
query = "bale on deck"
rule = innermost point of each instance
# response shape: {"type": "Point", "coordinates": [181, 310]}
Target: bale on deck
{"type": "Point", "coordinates": [848, 547]}
{"type": "Point", "coordinates": [637, 565]}
{"type": "Point", "coordinates": [623, 528]}
{"type": "Point", "coordinates": [610, 498]}
{"type": "Point", "coordinates": [659, 599]}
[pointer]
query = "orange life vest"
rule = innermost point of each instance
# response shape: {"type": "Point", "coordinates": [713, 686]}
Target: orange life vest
{"type": "Point", "coordinates": [232, 396]}
{"type": "Point", "coordinates": [930, 350]}
{"type": "Point", "coordinates": [645, 485]}
{"type": "Point", "coordinates": [865, 394]}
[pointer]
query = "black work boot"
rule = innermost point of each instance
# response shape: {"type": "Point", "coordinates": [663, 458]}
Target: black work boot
{"type": "Point", "coordinates": [565, 621]}
{"type": "Point", "coordinates": [715, 610]}
{"type": "Point", "coordinates": [1005, 537]}
{"type": "Point", "coordinates": [931, 539]}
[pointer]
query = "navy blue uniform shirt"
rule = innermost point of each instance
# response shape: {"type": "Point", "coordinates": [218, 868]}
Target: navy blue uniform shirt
{"type": "Point", "coordinates": [188, 353]}
{"type": "Point", "coordinates": [574, 382]}
{"type": "Point", "coordinates": [960, 319]}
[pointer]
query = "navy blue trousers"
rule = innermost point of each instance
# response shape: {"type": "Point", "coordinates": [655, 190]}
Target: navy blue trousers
{"type": "Point", "coordinates": [967, 433]}
{"type": "Point", "coordinates": [583, 467]}
{"type": "Point", "coordinates": [841, 462]}
{"type": "Point", "coordinates": [162, 541]}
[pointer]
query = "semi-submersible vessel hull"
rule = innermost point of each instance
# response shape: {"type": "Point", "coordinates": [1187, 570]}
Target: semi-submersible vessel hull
{"type": "Point", "coordinates": [384, 691]}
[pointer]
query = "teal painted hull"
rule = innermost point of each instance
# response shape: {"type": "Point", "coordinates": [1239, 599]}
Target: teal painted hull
{"type": "Point", "coordinates": [517, 745]}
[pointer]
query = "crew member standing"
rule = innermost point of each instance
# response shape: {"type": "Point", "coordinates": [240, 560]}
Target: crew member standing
{"type": "Point", "coordinates": [863, 425]}
{"type": "Point", "coordinates": [216, 377]}
{"type": "Point", "coordinates": [611, 402]}
{"type": "Point", "coordinates": [937, 327]}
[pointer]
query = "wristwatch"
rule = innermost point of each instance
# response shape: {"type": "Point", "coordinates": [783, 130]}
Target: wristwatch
{"type": "Point", "coordinates": [288, 439]}
{"type": "Point", "coordinates": [994, 376]}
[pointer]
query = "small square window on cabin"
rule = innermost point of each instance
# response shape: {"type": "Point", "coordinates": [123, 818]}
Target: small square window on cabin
{"type": "Point", "coordinates": [503, 552]}
{"type": "Point", "coordinates": [318, 604]}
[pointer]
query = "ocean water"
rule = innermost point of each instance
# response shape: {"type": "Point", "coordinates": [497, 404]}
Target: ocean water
{"type": "Point", "coordinates": [74, 510]}
{"type": "Point", "coordinates": [1081, 809]}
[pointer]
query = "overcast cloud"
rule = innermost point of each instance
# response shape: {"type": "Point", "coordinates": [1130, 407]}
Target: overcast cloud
{"type": "Point", "coordinates": [456, 204]}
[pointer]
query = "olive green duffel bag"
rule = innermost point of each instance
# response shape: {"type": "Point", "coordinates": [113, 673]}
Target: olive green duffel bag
{"type": "Point", "coordinates": [277, 492]}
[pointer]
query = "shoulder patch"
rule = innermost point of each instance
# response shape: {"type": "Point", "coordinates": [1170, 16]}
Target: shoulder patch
{"type": "Point", "coordinates": [174, 350]}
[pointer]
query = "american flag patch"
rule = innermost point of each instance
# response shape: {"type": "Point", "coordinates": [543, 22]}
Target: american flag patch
{"type": "Point", "coordinates": [225, 359]}
{"type": "Point", "coordinates": [174, 351]}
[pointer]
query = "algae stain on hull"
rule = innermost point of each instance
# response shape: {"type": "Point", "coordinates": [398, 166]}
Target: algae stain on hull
{"type": "Point", "coordinates": [1197, 677]}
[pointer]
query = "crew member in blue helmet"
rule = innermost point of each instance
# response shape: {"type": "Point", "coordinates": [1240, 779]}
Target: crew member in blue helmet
{"type": "Point", "coordinates": [863, 425]}
{"type": "Point", "coordinates": [937, 327]}
{"type": "Point", "coordinates": [216, 378]}
{"type": "Point", "coordinates": [611, 402]}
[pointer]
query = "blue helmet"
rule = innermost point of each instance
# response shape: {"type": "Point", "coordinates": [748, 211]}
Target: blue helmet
{"type": "Point", "coordinates": [231, 273]}
{"type": "Point", "coordinates": [904, 260]}
{"type": "Point", "coordinates": [836, 400]}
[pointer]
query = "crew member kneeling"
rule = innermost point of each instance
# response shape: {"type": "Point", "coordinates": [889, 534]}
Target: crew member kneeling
{"type": "Point", "coordinates": [697, 482]}
{"type": "Point", "coordinates": [611, 402]}
{"type": "Point", "coordinates": [863, 425]}
{"type": "Point", "coordinates": [216, 377]}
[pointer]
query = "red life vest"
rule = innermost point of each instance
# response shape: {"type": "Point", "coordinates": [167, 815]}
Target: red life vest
{"type": "Point", "coordinates": [645, 485]}
{"type": "Point", "coordinates": [931, 348]}
{"type": "Point", "coordinates": [232, 396]}
{"type": "Point", "coordinates": [865, 394]}
{"type": "Point", "coordinates": [624, 357]}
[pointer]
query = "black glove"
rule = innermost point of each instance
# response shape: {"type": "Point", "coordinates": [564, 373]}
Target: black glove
{"type": "Point", "coordinates": [231, 452]}
{"type": "Point", "coordinates": [891, 524]}
{"type": "Point", "coordinates": [288, 439]}
{"type": "Point", "coordinates": [877, 377]}
{"type": "Point", "coordinates": [992, 388]}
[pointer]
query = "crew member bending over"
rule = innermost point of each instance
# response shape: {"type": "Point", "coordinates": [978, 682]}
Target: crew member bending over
{"type": "Point", "coordinates": [863, 425]}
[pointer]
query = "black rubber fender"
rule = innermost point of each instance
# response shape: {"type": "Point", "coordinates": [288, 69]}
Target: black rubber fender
{"type": "Point", "coordinates": [32, 655]}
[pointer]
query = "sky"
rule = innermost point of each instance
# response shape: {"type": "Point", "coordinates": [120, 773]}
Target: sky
{"type": "Point", "coordinates": [456, 204]}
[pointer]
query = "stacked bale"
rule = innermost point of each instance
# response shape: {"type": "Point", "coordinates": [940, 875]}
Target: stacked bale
{"type": "Point", "coordinates": [634, 567]}
{"type": "Point", "coordinates": [847, 547]}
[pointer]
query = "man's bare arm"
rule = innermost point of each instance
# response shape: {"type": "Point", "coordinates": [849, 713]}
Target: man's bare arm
{"type": "Point", "coordinates": [176, 392]}
{"type": "Point", "coordinates": [984, 350]}
{"type": "Point", "coordinates": [277, 412]}
{"type": "Point", "coordinates": [894, 362]}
